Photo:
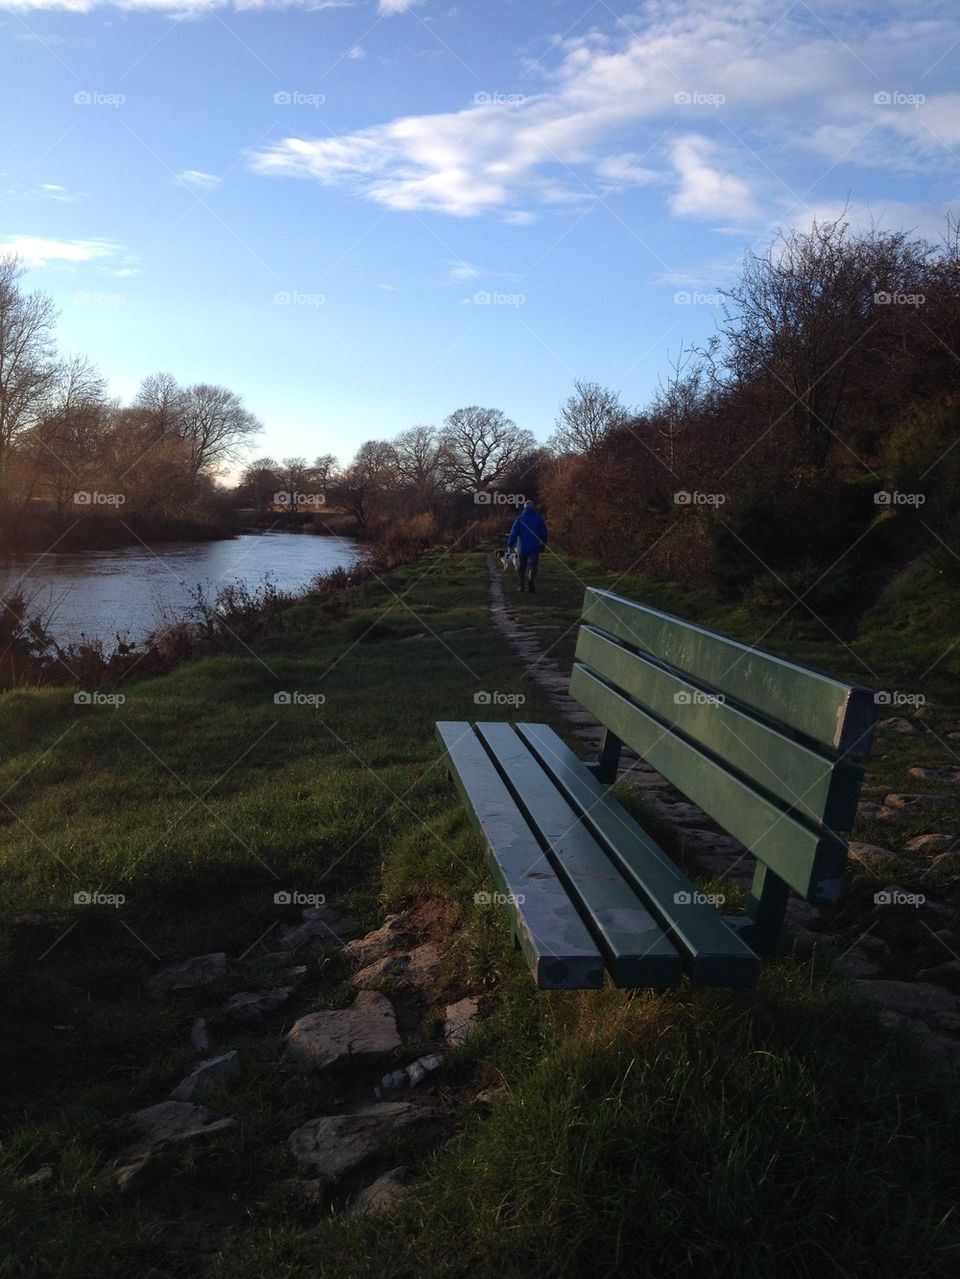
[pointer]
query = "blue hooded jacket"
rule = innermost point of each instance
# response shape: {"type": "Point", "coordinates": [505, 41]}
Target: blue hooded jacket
{"type": "Point", "coordinates": [529, 530]}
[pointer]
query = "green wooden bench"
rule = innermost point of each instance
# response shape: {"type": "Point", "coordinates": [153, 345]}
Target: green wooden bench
{"type": "Point", "coordinates": [766, 748]}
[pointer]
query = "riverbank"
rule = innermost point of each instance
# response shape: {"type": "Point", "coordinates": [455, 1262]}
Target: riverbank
{"type": "Point", "coordinates": [785, 1132]}
{"type": "Point", "coordinates": [42, 531]}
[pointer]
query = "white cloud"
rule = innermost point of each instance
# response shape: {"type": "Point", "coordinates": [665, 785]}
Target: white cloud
{"type": "Point", "coordinates": [174, 8]}
{"type": "Point", "coordinates": [519, 217]}
{"type": "Point", "coordinates": [197, 180]}
{"type": "Point", "coordinates": [690, 84]}
{"type": "Point", "coordinates": [357, 53]}
{"type": "Point", "coordinates": [704, 191]}
{"type": "Point", "coordinates": [388, 8]}
{"type": "Point", "coordinates": [36, 250]}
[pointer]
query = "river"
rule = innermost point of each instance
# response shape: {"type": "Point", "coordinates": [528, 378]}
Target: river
{"type": "Point", "coordinates": [132, 591]}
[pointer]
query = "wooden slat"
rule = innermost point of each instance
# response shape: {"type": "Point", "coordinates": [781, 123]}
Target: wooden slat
{"type": "Point", "coordinates": [636, 951]}
{"type": "Point", "coordinates": [819, 788]}
{"type": "Point", "coordinates": [560, 951]}
{"type": "Point", "coordinates": [811, 863]}
{"type": "Point", "coordinates": [840, 716]}
{"type": "Point", "coordinates": [712, 953]}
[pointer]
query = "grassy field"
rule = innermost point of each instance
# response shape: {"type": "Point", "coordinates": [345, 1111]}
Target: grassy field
{"type": "Point", "coordinates": [783, 1132]}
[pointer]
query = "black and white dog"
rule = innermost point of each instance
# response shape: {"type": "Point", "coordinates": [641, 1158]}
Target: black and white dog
{"type": "Point", "coordinates": [508, 559]}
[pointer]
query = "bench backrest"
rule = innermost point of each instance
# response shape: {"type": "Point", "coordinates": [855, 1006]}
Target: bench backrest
{"type": "Point", "coordinates": [766, 748]}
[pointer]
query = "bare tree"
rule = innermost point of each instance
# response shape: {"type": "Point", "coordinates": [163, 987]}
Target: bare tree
{"type": "Point", "coordinates": [215, 427]}
{"type": "Point", "coordinates": [324, 467]}
{"type": "Point", "coordinates": [368, 476]}
{"type": "Point", "coordinates": [70, 441]}
{"type": "Point", "coordinates": [163, 402]}
{"type": "Point", "coordinates": [479, 446]}
{"type": "Point", "coordinates": [681, 397]}
{"type": "Point", "coordinates": [28, 369]}
{"type": "Point", "coordinates": [419, 460]}
{"type": "Point", "coordinates": [259, 483]}
{"type": "Point", "coordinates": [585, 418]}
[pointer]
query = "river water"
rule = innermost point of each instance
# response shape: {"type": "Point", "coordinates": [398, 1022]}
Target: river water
{"type": "Point", "coordinates": [132, 591]}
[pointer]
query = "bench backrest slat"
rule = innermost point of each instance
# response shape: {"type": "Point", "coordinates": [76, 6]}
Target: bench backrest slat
{"type": "Point", "coordinates": [811, 861]}
{"type": "Point", "coordinates": [838, 716]}
{"type": "Point", "coordinates": [806, 781]}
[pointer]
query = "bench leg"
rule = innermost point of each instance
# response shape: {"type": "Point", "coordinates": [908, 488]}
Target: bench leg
{"type": "Point", "coordinates": [605, 769]}
{"type": "Point", "coordinates": [766, 908]}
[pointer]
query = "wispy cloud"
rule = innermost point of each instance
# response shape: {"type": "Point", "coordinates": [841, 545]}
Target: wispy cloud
{"type": "Point", "coordinates": [196, 180]}
{"type": "Point", "coordinates": [391, 7]}
{"type": "Point", "coordinates": [42, 251]}
{"type": "Point", "coordinates": [709, 100]}
{"type": "Point", "coordinates": [176, 8]}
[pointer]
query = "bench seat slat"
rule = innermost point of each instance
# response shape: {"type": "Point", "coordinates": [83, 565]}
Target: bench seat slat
{"type": "Point", "coordinates": [819, 788]}
{"type": "Point", "coordinates": [636, 950]}
{"type": "Point", "coordinates": [839, 716]}
{"type": "Point", "coordinates": [711, 951]}
{"type": "Point", "coordinates": [811, 863]}
{"type": "Point", "coordinates": [558, 948]}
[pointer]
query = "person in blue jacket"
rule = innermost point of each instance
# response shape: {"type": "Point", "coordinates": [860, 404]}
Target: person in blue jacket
{"type": "Point", "coordinates": [529, 535]}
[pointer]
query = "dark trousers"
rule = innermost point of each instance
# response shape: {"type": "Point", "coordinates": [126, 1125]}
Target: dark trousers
{"type": "Point", "coordinates": [527, 568]}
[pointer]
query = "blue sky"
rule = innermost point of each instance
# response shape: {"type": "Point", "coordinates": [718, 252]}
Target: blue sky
{"type": "Point", "coordinates": [363, 215]}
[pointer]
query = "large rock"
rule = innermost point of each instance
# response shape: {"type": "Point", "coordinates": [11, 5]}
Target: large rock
{"type": "Point", "coordinates": [335, 1144]}
{"type": "Point", "coordinates": [920, 1001]}
{"type": "Point", "coordinates": [254, 1005]}
{"type": "Point", "coordinates": [321, 924]}
{"type": "Point", "coordinates": [187, 973]}
{"type": "Point", "coordinates": [460, 1020]}
{"type": "Point", "coordinates": [394, 934]}
{"type": "Point", "coordinates": [385, 1193]}
{"type": "Point", "coordinates": [167, 1125]}
{"type": "Point", "coordinates": [364, 1032]}
{"type": "Point", "coordinates": [205, 1072]}
{"type": "Point", "coordinates": [419, 968]}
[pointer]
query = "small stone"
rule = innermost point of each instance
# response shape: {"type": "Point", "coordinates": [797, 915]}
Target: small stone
{"type": "Point", "coordinates": [868, 811]}
{"type": "Point", "coordinates": [206, 1072]}
{"type": "Point", "coordinates": [394, 1079]}
{"type": "Point", "coordinates": [490, 1096]}
{"type": "Point", "coordinates": [916, 803]}
{"type": "Point", "coordinates": [946, 862]}
{"type": "Point", "coordinates": [365, 1032]}
{"type": "Point", "coordinates": [39, 1178]}
{"type": "Point", "coordinates": [856, 964]}
{"type": "Point", "coordinates": [385, 1193]}
{"type": "Point", "coordinates": [187, 973]}
{"type": "Point", "coordinates": [179, 1121]}
{"type": "Point", "coordinates": [929, 843]}
{"type": "Point", "coordinates": [896, 724]}
{"type": "Point", "coordinates": [460, 1020]}
{"type": "Point", "coordinates": [876, 944]}
{"type": "Point", "coordinates": [252, 1005]}
{"type": "Point", "coordinates": [200, 1036]}
{"type": "Point", "coordinates": [335, 1144]}
{"type": "Point", "coordinates": [868, 854]}
{"type": "Point", "coordinates": [418, 1070]}
{"type": "Point", "coordinates": [294, 975]}
{"type": "Point", "coordinates": [947, 1050]}
{"type": "Point", "coordinates": [935, 772]}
